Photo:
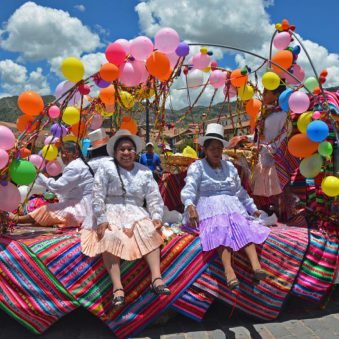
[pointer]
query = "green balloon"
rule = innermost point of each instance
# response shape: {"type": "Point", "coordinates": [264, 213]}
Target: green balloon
{"type": "Point", "coordinates": [311, 83]}
{"type": "Point", "coordinates": [310, 167]}
{"type": "Point", "coordinates": [22, 172]}
{"type": "Point", "coordinates": [325, 148]}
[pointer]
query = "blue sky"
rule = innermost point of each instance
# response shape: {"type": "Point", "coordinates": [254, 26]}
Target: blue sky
{"type": "Point", "coordinates": [111, 19]}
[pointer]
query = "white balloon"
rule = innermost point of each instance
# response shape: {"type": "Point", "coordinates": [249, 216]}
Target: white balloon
{"type": "Point", "coordinates": [195, 78]}
{"type": "Point", "coordinates": [23, 190]}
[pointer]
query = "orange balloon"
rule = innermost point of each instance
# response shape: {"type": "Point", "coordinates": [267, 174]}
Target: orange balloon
{"type": "Point", "coordinates": [109, 72]}
{"type": "Point", "coordinates": [24, 152]}
{"type": "Point", "coordinates": [301, 146]}
{"type": "Point", "coordinates": [253, 107]}
{"type": "Point", "coordinates": [284, 59]}
{"type": "Point", "coordinates": [167, 76]}
{"type": "Point", "coordinates": [79, 132]}
{"type": "Point", "coordinates": [30, 103]}
{"type": "Point", "coordinates": [129, 124]}
{"type": "Point", "coordinates": [24, 121]}
{"type": "Point", "coordinates": [253, 122]}
{"type": "Point", "coordinates": [237, 79]}
{"type": "Point", "coordinates": [158, 64]}
{"type": "Point", "coordinates": [107, 95]}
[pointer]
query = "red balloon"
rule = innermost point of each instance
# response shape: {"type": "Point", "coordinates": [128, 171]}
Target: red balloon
{"type": "Point", "coordinates": [115, 54]}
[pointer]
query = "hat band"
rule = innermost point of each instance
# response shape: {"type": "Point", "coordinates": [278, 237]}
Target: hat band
{"type": "Point", "coordinates": [215, 135]}
{"type": "Point", "coordinates": [100, 142]}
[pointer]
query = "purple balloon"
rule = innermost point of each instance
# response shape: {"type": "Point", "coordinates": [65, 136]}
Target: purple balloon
{"type": "Point", "coordinates": [101, 83]}
{"type": "Point", "coordinates": [183, 49]}
{"type": "Point", "coordinates": [57, 130]}
{"type": "Point", "coordinates": [62, 88]}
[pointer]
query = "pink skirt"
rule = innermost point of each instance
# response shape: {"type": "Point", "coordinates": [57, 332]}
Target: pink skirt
{"type": "Point", "coordinates": [266, 181]}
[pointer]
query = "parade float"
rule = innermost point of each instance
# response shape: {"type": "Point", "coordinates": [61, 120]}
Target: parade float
{"type": "Point", "coordinates": [44, 275]}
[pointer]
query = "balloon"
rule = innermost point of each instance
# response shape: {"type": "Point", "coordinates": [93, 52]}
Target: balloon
{"type": "Point", "coordinates": [125, 44]}
{"type": "Point", "coordinates": [129, 124]}
{"type": "Point", "coordinates": [54, 112]}
{"type": "Point", "coordinates": [53, 168]}
{"type": "Point", "coordinates": [141, 47]}
{"type": "Point", "coordinates": [253, 107]}
{"type": "Point", "coordinates": [10, 197]}
{"type": "Point", "coordinates": [303, 121]}
{"type": "Point", "coordinates": [167, 76]}
{"type": "Point", "coordinates": [166, 40]}
{"type": "Point", "coordinates": [84, 89]}
{"type": "Point", "coordinates": [230, 91]}
{"type": "Point", "coordinates": [22, 172]}
{"type": "Point", "coordinates": [246, 92]}
{"type": "Point", "coordinates": [310, 167]}
{"type": "Point", "coordinates": [72, 138]}
{"type": "Point", "coordinates": [58, 131]}
{"type": "Point", "coordinates": [201, 61]}
{"type": "Point", "coordinates": [330, 186]}
{"type": "Point", "coordinates": [3, 158]}
{"type": "Point", "coordinates": [96, 121]}
{"type": "Point", "coordinates": [30, 103]}
{"type": "Point", "coordinates": [217, 78]}
{"type": "Point", "coordinates": [316, 115]}
{"type": "Point", "coordinates": [50, 152]}
{"type": "Point", "coordinates": [237, 79]}
{"type": "Point", "coordinates": [158, 64]}
{"type": "Point", "coordinates": [195, 78]}
{"type": "Point", "coordinates": [115, 54]}
{"type": "Point", "coordinates": [72, 69]}
{"type": "Point", "coordinates": [64, 87]}
{"type": "Point", "coordinates": [270, 81]}
{"type": "Point", "coordinates": [71, 115]}
{"type": "Point", "coordinates": [281, 40]}
{"type": "Point", "coordinates": [298, 72]}
{"type": "Point", "coordinates": [325, 149]}
{"type": "Point", "coordinates": [183, 49]}
{"type": "Point", "coordinates": [127, 99]}
{"type": "Point", "coordinates": [317, 131]}
{"type": "Point", "coordinates": [7, 138]}
{"type": "Point", "coordinates": [298, 102]}
{"type": "Point", "coordinates": [130, 76]}
{"type": "Point", "coordinates": [311, 83]}
{"type": "Point", "coordinates": [109, 72]}
{"type": "Point", "coordinates": [283, 99]}
{"type": "Point", "coordinates": [37, 161]}
{"type": "Point", "coordinates": [79, 131]}
{"type": "Point", "coordinates": [173, 59]}
{"type": "Point", "coordinates": [282, 58]}
{"type": "Point", "coordinates": [24, 152]}
{"type": "Point", "coordinates": [101, 83]}
{"type": "Point", "coordinates": [301, 146]}
{"type": "Point", "coordinates": [25, 122]}
{"type": "Point", "coordinates": [23, 190]}
{"type": "Point", "coordinates": [107, 95]}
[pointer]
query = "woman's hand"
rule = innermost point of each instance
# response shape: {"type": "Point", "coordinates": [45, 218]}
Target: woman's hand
{"type": "Point", "coordinates": [193, 216]}
{"type": "Point", "coordinates": [157, 224]}
{"type": "Point", "coordinates": [101, 230]}
{"type": "Point", "coordinates": [257, 214]}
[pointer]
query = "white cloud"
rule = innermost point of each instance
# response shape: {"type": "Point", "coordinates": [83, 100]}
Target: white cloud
{"type": "Point", "coordinates": [15, 79]}
{"type": "Point", "coordinates": [80, 8]}
{"type": "Point", "coordinates": [40, 33]}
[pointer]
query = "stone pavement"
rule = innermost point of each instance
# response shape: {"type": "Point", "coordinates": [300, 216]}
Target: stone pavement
{"type": "Point", "coordinates": [299, 319]}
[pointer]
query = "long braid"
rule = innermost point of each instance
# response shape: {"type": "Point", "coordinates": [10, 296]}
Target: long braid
{"type": "Point", "coordinates": [119, 175]}
{"type": "Point", "coordinates": [81, 156]}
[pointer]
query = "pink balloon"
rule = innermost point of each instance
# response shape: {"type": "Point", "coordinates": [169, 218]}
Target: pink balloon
{"type": "Point", "coordinates": [3, 158]}
{"type": "Point", "coordinates": [37, 161]}
{"type": "Point", "coordinates": [53, 168]}
{"type": "Point", "coordinates": [141, 47]}
{"type": "Point", "coordinates": [125, 44]}
{"type": "Point", "coordinates": [232, 91]}
{"type": "Point", "coordinates": [298, 72]}
{"type": "Point", "coordinates": [281, 40]}
{"type": "Point", "coordinates": [140, 65]}
{"type": "Point", "coordinates": [316, 115]}
{"type": "Point", "coordinates": [51, 140]}
{"type": "Point", "coordinates": [129, 75]}
{"type": "Point", "coordinates": [298, 102]}
{"type": "Point", "coordinates": [54, 111]}
{"type": "Point", "coordinates": [62, 88]}
{"type": "Point", "coordinates": [166, 40]}
{"type": "Point", "coordinates": [96, 121]}
{"type": "Point", "coordinates": [10, 197]}
{"type": "Point", "coordinates": [115, 54]}
{"type": "Point", "coordinates": [173, 58]}
{"type": "Point", "coordinates": [7, 138]}
{"type": "Point", "coordinates": [217, 78]}
{"type": "Point", "coordinates": [201, 61]}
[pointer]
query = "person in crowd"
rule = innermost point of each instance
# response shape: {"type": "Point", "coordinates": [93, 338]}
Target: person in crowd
{"type": "Point", "coordinates": [74, 187]}
{"type": "Point", "coordinates": [152, 161]}
{"type": "Point", "coordinates": [219, 207]}
{"type": "Point", "coordinates": [125, 230]}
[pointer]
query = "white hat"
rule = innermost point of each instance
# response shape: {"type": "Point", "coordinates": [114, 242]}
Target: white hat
{"type": "Point", "coordinates": [139, 144]}
{"type": "Point", "coordinates": [213, 131]}
{"type": "Point", "coordinates": [150, 144]}
{"type": "Point", "coordinates": [98, 138]}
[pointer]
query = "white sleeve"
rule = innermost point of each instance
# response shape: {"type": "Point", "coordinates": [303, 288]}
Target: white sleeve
{"type": "Point", "coordinates": [155, 204]}
{"type": "Point", "coordinates": [101, 182]}
{"type": "Point", "coordinates": [190, 192]}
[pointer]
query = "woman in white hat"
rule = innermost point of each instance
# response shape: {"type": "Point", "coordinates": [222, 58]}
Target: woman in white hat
{"type": "Point", "coordinates": [126, 230]}
{"type": "Point", "coordinates": [220, 208]}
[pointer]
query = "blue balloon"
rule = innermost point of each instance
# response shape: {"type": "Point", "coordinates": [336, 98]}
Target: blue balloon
{"type": "Point", "coordinates": [183, 49]}
{"type": "Point", "coordinates": [296, 50]}
{"type": "Point", "coordinates": [283, 99]}
{"type": "Point", "coordinates": [317, 130]}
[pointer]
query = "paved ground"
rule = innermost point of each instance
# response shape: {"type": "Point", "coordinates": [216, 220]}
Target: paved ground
{"type": "Point", "coordinates": [299, 319]}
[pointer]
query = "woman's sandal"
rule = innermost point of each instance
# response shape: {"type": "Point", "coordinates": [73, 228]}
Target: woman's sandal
{"type": "Point", "coordinates": [118, 301]}
{"type": "Point", "coordinates": [259, 274]}
{"type": "Point", "coordinates": [160, 289]}
{"type": "Point", "coordinates": [233, 284]}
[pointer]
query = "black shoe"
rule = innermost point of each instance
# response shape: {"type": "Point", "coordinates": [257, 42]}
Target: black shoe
{"type": "Point", "coordinates": [118, 301]}
{"type": "Point", "coordinates": [160, 289]}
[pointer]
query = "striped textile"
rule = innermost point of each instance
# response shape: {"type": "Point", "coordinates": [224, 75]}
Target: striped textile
{"type": "Point", "coordinates": [28, 291]}
{"type": "Point", "coordinates": [318, 271]}
{"type": "Point", "coordinates": [281, 256]}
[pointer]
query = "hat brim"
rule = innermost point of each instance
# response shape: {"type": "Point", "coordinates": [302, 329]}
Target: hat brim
{"type": "Point", "coordinates": [201, 140]}
{"type": "Point", "coordinates": [139, 144]}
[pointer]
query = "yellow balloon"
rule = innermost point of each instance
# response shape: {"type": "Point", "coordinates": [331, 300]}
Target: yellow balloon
{"type": "Point", "coordinates": [207, 69]}
{"type": "Point", "coordinates": [50, 152]}
{"type": "Point", "coordinates": [330, 186]}
{"type": "Point", "coordinates": [270, 80]}
{"type": "Point", "coordinates": [203, 50]}
{"type": "Point", "coordinates": [278, 27]}
{"type": "Point", "coordinates": [72, 69]}
{"type": "Point", "coordinates": [71, 115]}
{"type": "Point", "coordinates": [303, 121]}
{"type": "Point", "coordinates": [246, 92]}
{"type": "Point", "coordinates": [126, 99]}
{"type": "Point", "coordinates": [73, 138]}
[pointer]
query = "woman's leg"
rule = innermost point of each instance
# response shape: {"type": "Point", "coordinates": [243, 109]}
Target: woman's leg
{"type": "Point", "coordinates": [226, 257]}
{"type": "Point", "coordinates": [253, 257]}
{"type": "Point", "coordinates": [153, 261]}
{"type": "Point", "coordinates": [112, 264]}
